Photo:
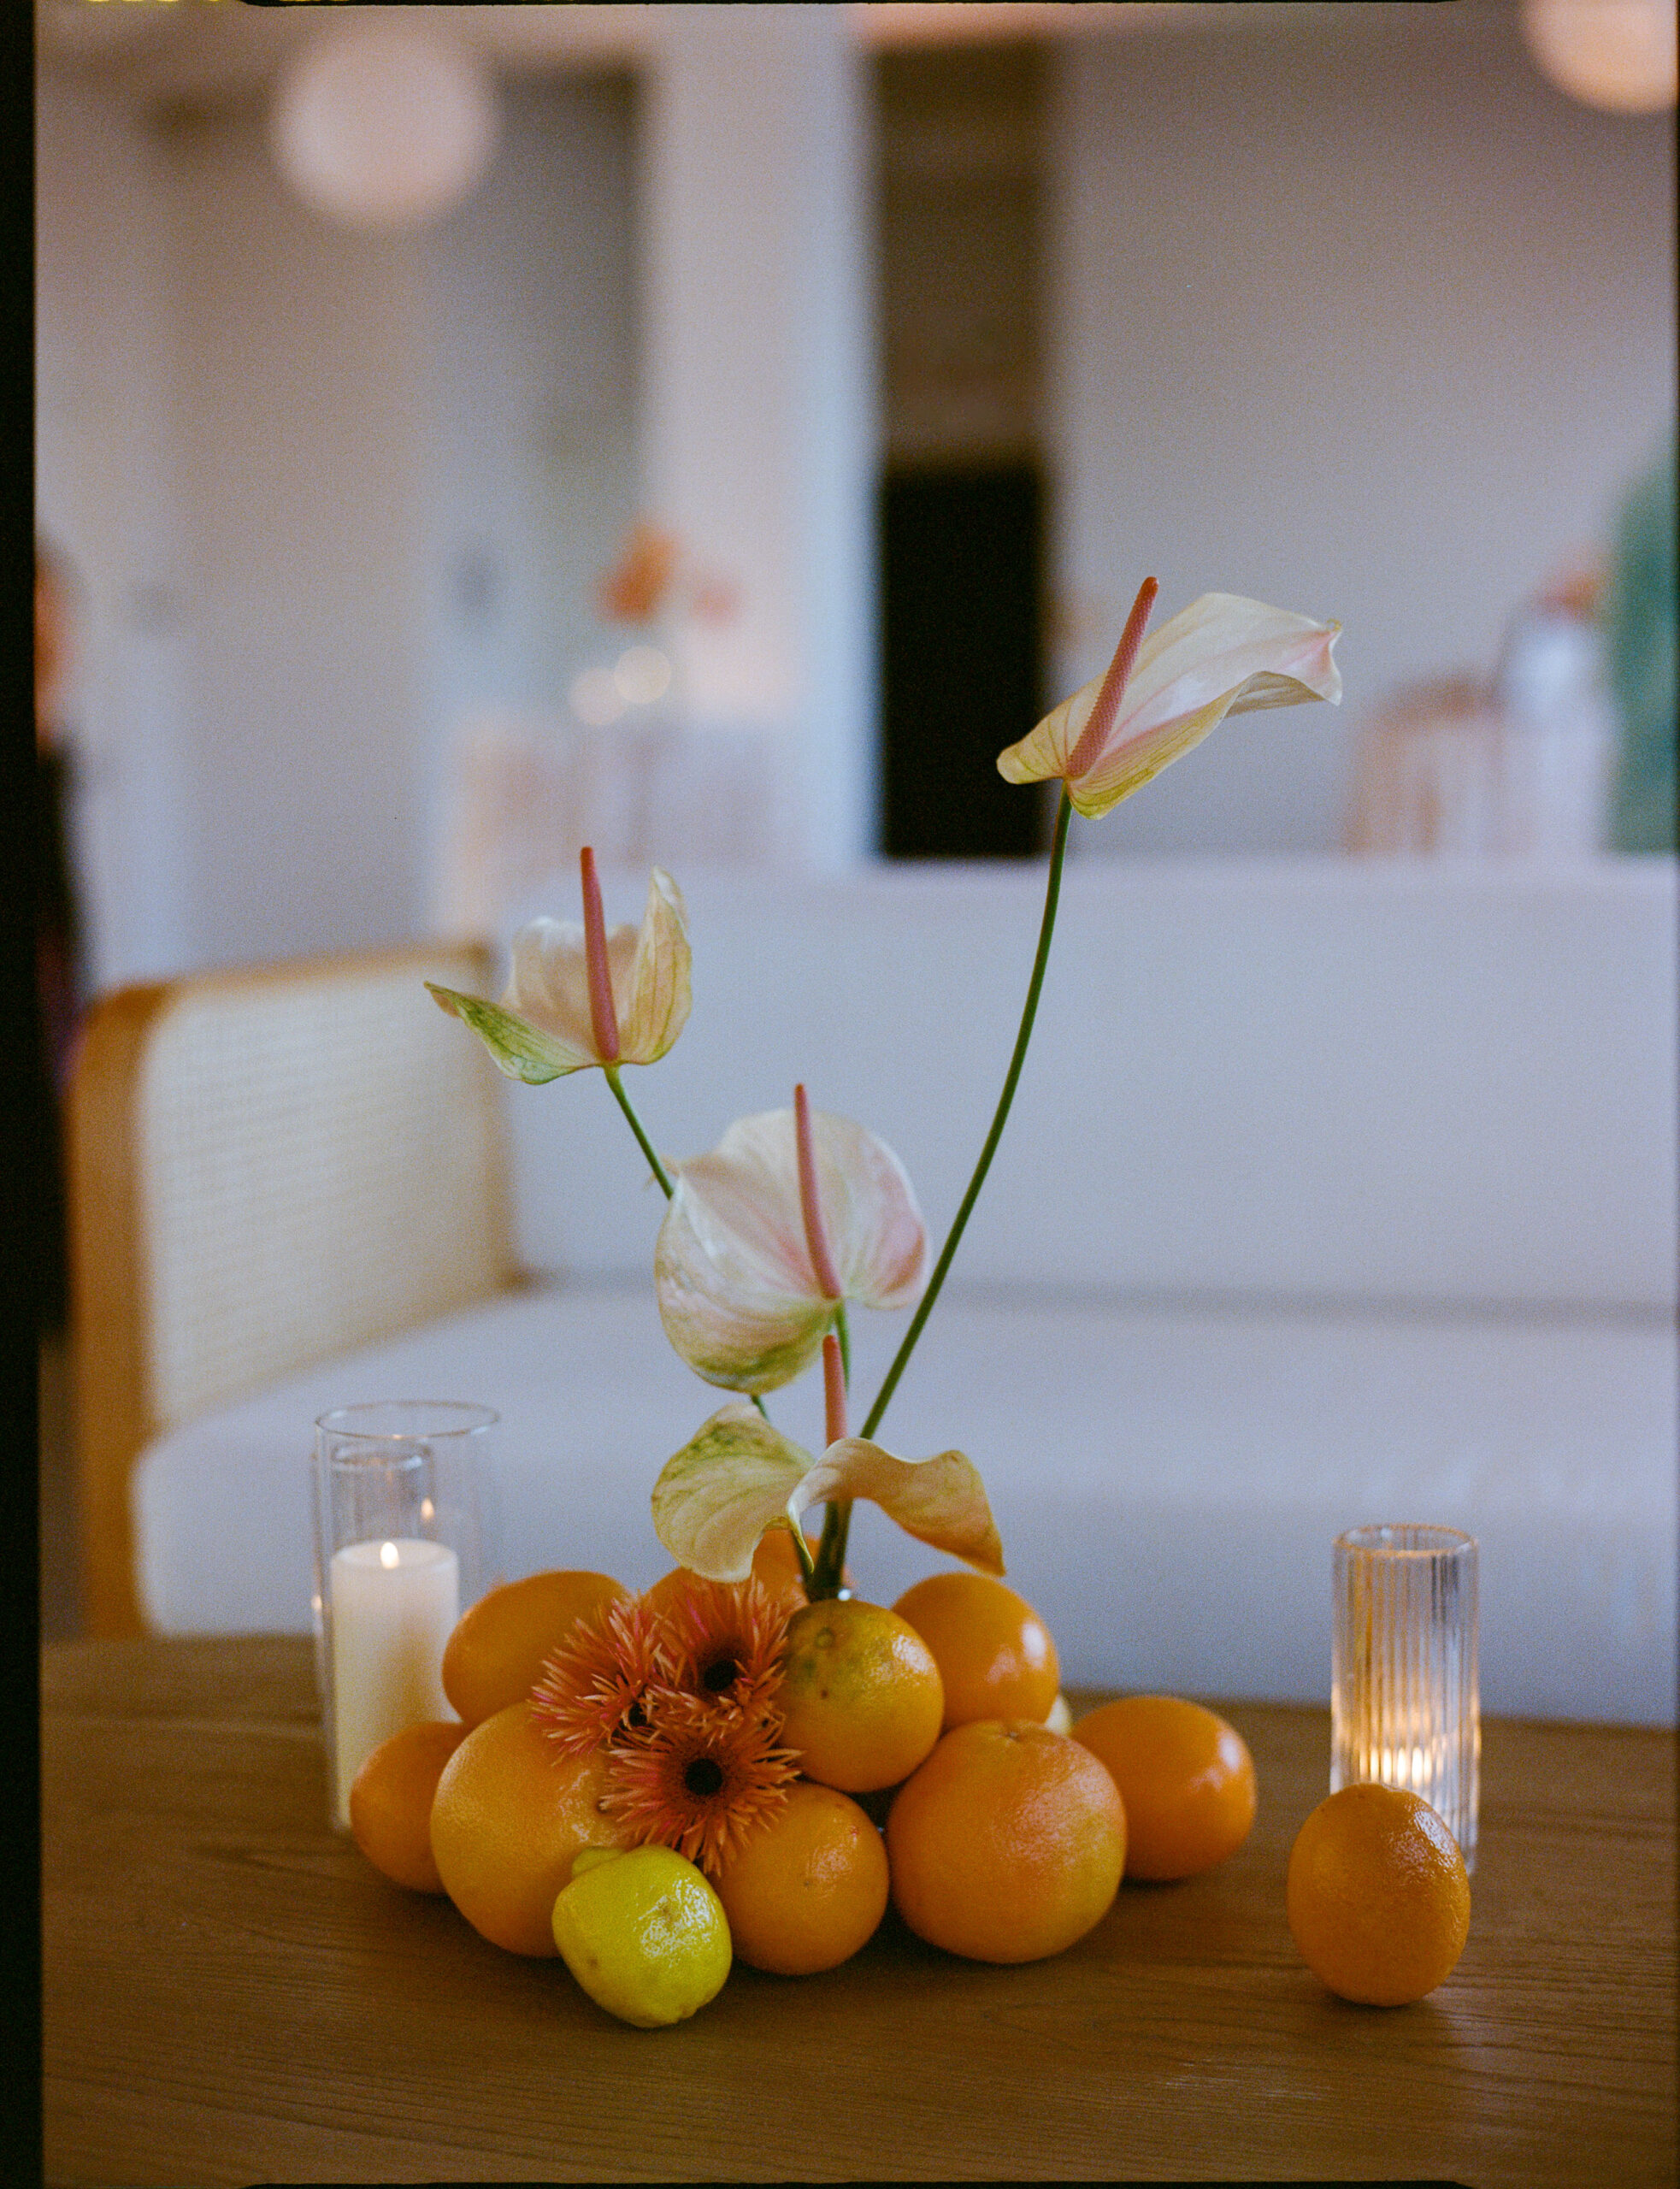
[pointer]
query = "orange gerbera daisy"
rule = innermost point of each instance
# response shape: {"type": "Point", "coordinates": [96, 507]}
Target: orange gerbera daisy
{"type": "Point", "coordinates": [698, 1776]}
{"type": "Point", "coordinates": [594, 1687]}
{"type": "Point", "coordinates": [722, 1641]}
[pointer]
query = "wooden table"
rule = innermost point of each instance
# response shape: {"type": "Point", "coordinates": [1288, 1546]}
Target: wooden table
{"type": "Point", "coordinates": [232, 1994]}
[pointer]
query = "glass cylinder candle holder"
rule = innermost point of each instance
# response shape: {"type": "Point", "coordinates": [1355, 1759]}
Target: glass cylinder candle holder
{"type": "Point", "coordinates": [1405, 1697]}
{"type": "Point", "coordinates": [404, 1515]}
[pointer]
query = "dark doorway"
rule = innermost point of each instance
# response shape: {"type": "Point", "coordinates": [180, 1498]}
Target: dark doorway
{"type": "Point", "coordinates": [962, 585]}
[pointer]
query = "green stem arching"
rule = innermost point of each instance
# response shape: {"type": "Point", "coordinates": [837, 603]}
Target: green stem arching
{"type": "Point", "coordinates": [832, 1550]}
{"type": "Point", "coordinates": [1029, 1011]}
{"type": "Point", "coordinates": [829, 1560]}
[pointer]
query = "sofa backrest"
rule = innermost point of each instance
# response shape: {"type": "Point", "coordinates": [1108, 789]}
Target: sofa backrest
{"type": "Point", "coordinates": [1411, 1084]}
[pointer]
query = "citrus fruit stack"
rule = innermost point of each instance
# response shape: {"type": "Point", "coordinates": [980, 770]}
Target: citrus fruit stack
{"type": "Point", "coordinates": [818, 1761]}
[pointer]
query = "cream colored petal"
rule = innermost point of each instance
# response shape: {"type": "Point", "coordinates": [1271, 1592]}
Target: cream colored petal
{"type": "Point", "coordinates": [653, 1002]}
{"type": "Point", "coordinates": [1222, 655]}
{"type": "Point", "coordinates": [522, 1050]}
{"type": "Point", "coordinates": [941, 1501]}
{"type": "Point", "coordinates": [716, 1497]}
{"type": "Point", "coordinates": [728, 1322]}
{"type": "Point", "coordinates": [1043, 753]}
{"type": "Point", "coordinates": [876, 1230]}
{"type": "Point", "coordinates": [739, 1299]}
{"type": "Point", "coordinates": [548, 982]}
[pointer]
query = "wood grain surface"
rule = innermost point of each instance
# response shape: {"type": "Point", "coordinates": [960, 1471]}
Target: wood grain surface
{"type": "Point", "coordinates": [232, 1994]}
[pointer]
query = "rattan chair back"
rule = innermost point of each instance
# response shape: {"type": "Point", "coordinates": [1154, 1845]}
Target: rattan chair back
{"type": "Point", "coordinates": [269, 1167]}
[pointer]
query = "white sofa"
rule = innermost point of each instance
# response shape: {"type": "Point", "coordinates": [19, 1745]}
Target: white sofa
{"type": "Point", "coordinates": [1333, 1193]}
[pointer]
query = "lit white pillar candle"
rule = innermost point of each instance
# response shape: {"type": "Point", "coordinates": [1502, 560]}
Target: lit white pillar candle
{"type": "Point", "coordinates": [394, 1606]}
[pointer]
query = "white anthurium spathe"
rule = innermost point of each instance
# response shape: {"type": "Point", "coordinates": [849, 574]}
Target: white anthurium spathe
{"type": "Point", "coordinates": [738, 1476]}
{"type": "Point", "coordinates": [548, 1023]}
{"type": "Point", "coordinates": [1222, 655]}
{"type": "Point", "coordinates": [735, 1268]}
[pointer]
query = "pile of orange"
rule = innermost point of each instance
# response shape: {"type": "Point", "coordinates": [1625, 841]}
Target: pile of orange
{"type": "Point", "coordinates": [1003, 1840]}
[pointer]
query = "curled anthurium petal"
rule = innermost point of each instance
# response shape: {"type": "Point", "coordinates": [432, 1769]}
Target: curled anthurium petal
{"type": "Point", "coordinates": [941, 1501]}
{"type": "Point", "coordinates": [716, 1497]}
{"type": "Point", "coordinates": [738, 1476]}
{"type": "Point", "coordinates": [739, 1292]}
{"type": "Point", "coordinates": [544, 1026]}
{"type": "Point", "coordinates": [1222, 655]}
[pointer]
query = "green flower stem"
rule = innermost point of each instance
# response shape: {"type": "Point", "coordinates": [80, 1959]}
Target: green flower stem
{"type": "Point", "coordinates": [659, 1172]}
{"type": "Point", "coordinates": [1029, 1011]}
{"type": "Point", "coordinates": [832, 1551]}
{"type": "Point", "coordinates": [635, 1122]}
{"type": "Point", "coordinates": [824, 1580]}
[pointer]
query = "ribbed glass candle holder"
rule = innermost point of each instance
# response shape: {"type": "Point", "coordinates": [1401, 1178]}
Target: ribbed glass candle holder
{"type": "Point", "coordinates": [1405, 1697]}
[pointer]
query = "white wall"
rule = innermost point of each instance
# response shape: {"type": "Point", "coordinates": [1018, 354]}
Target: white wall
{"type": "Point", "coordinates": [325, 492]}
{"type": "Point", "coordinates": [531, 307]}
{"type": "Point", "coordinates": [301, 433]}
{"type": "Point", "coordinates": [1375, 325]}
{"type": "Point", "coordinates": [759, 426]}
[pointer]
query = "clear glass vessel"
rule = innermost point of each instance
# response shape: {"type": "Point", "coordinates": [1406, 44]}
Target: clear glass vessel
{"type": "Point", "coordinates": [404, 1515]}
{"type": "Point", "coordinates": [1405, 1696]}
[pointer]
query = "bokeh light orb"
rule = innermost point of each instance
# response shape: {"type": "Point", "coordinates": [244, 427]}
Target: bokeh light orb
{"type": "Point", "coordinates": [384, 126]}
{"type": "Point", "coordinates": [1617, 55]}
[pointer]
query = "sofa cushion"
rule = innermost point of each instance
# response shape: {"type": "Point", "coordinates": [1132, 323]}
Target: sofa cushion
{"type": "Point", "coordinates": [1168, 1480]}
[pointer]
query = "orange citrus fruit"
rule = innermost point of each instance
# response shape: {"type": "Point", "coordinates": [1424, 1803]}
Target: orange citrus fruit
{"type": "Point", "coordinates": [1185, 1776]}
{"type": "Point", "coordinates": [993, 1651]}
{"type": "Point", "coordinates": [803, 1890]}
{"type": "Point", "coordinates": [509, 1819]}
{"type": "Point", "coordinates": [861, 1695]}
{"type": "Point", "coordinates": [495, 1655]}
{"type": "Point", "coordinates": [1008, 1843]}
{"type": "Point", "coordinates": [1376, 1895]}
{"type": "Point", "coordinates": [391, 1803]}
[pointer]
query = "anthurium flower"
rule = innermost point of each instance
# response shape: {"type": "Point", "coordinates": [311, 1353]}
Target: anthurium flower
{"type": "Point", "coordinates": [738, 1476]}
{"type": "Point", "coordinates": [582, 995]}
{"type": "Point", "coordinates": [761, 1244]}
{"type": "Point", "coordinates": [1222, 655]}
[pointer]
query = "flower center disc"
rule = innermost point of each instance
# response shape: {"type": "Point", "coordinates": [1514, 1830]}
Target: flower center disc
{"type": "Point", "coordinates": [703, 1777]}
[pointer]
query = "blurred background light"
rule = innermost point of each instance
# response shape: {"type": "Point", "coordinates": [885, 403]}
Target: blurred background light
{"type": "Point", "coordinates": [1618, 55]}
{"type": "Point", "coordinates": [384, 126]}
{"type": "Point", "coordinates": [642, 675]}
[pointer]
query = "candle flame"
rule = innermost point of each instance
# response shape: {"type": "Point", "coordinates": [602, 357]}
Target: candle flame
{"type": "Point", "coordinates": [388, 1555]}
{"type": "Point", "coordinates": [428, 1509]}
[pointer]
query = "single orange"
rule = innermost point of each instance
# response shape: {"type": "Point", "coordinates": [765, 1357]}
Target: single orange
{"type": "Point", "coordinates": [495, 1655]}
{"type": "Point", "coordinates": [1185, 1776]}
{"type": "Point", "coordinates": [993, 1651]}
{"type": "Point", "coordinates": [1377, 1897]}
{"type": "Point", "coordinates": [1008, 1843]}
{"type": "Point", "coordinates": [861, 1695]}
{"type": "Point", "coordinates": [805, 1889]}
{"type": "Point", "coordinates": [509, 1819]}
{"type": "Point", "coordinates": [391, 1803]}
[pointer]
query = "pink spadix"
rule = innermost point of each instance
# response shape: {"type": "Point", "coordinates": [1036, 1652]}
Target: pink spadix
{"type": "Point", "coordinates": [810, 1208]}
{"type": "Point", "coordinates": [1101, 720]}
{"type": "Point", "coordinates": [602, 1016]}
{"type": "Point", "coordinates": [834, 1390]}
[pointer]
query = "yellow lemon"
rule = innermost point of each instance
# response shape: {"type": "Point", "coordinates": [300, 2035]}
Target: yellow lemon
{"type": "Point", "coordinates": [644, 1934]}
